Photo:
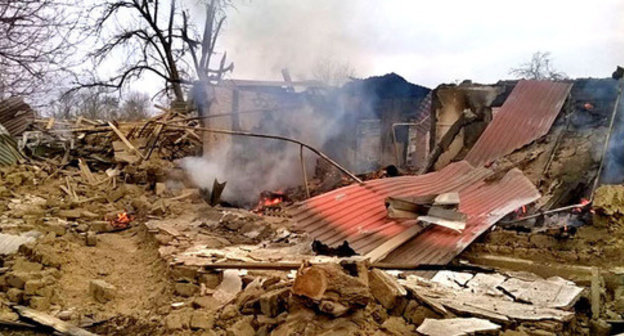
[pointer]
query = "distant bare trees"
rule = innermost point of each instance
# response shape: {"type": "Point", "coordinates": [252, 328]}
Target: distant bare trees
{"type": "Point", "coordinates": [97, 103]}
{"type": "Point", "coordinates": [332, 72]}
{"type": "Point", "coordinates": [539, 67]}
{"type": "Point", "coordinates": [158, 37]}
{"type": "Point", "coordinates": [34, 43]}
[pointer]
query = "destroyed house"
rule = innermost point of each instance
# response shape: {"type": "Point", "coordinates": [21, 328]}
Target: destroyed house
{"type": "Point", "coordinates": [365, 125]}
{"type": "Point", "coordinates": [503, 147]}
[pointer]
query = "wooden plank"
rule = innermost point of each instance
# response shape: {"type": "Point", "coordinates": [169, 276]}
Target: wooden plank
{"type": "Point", "coordinates": [52, 322]}
{"type": "Point", "coordinates": [125, 140]}
{"type": "Point", "coordinates": [390, 245]}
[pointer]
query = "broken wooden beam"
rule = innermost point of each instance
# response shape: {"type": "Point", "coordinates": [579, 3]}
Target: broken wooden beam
{"type": "Point", "coordinates": [385, 266]}
{"type": "Point", "coordinates": [50, 321]}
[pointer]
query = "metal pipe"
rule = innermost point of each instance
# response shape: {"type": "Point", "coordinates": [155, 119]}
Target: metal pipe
{"type": "Point", "coordinates": [303, 171]}
{"type": "Point", "coordinates": [270, 136]}
{"type": "Point", "coordinates": [547, 212]}
{"type": "Point", "coordinates": [606, 144]}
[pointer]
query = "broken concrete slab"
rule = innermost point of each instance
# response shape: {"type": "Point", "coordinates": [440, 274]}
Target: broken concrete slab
{"type": "Point", "coordinates": [456, 327]}
{"type": "Point", "coordinates": [228, 288]}
{"type": "Point", "coordinates": [554, 292]}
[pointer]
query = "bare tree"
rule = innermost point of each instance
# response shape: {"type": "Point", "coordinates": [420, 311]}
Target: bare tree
{"type": "Point", "coordinates": [158, 40]}
{"type": "Point", "coordinates": [135, 106]}
{"type": "Point", "coordinates": [34, 43]}
{"type": "Point", "coordinates": [539, 67]}
{"type": "Point", "coordinates": [332, 72]}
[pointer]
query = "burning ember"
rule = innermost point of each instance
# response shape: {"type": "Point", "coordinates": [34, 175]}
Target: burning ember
{"type": "Point", "coordinates": [270, 200]}
{"type": "Point", "coordinates": [582, 205]}
{"type": "Point", "coordinates": [520, 212]}
{"type": "Point", "coordinates": [122, 221]}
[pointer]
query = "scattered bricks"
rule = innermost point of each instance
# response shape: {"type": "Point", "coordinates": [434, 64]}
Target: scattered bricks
{"type": "Point", "coordinates": [31, 286]}
{"type": "Point", "coordinates": [175, 322]}
{"type": "Point", "coordinates": [211, 279]}
{"type": "Point", "coordinates": [101, 290]}
{"type": "Point", "coordinates": [184, 273]}
{"type": "Point", "coordinates": [15, 295]}
{"type": "Point", "coordinates": [163, 239]}
{"type": "Point", "coordinates": [23, 265]}
{"type": "Point", "coordinates": [59, 227]}
{"type": "Point", "coordinates": [201, 320]}
{"type": "Point", "coordinates": [45, 292]}
{"type": "Point", "coordinates": [186, 289]}
{"type": "Point", "coordinates": [82, 228]}
{"type": "Point", "coordinates": [206, 302]}
{"type": "Point", "coordinates": [416, 313]}
{"type": "Point", "coordinates": [397, 326]}
{"type": "Point", "coordinates": [91, 238]}
{"type": "Point", "coordinates": [18, 279]}
{"type": "Point", "coordinates": [99, 227]}
{"type": "Point", "coordinates": [242, 328]}
{"type": "Point", "coordinates": [229, 312]}
{"type": "Point", "coordinates": [70, 214]}
{"type": "Point", "coordinates": [39, 303]}
{"type": "Point", "coordinates": [385, 288]}
{"type": "Point", "coordinates": [274, 302]}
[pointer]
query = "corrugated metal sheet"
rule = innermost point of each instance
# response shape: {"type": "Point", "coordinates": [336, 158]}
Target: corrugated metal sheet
{"type": "Point", "coordinates": [485, 203]}
{"type": "Point", "coordinates": [357, 213]}
{"type": "Point", "coordinates": [15, 115]}
{"type": "Point", "coordinates": [8, 149]}
{"type": "Point", "coordinates": [527, 114]}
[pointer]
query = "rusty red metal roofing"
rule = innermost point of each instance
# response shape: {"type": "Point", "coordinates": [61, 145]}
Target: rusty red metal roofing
{"type": "Point", "coordinates": [485, 203]}
{"type": "Point", "coordinates": [527, 114]}
{"type": "Point", "coordinates": [357, 213]}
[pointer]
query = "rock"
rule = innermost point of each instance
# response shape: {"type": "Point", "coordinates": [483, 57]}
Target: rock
{"type": "Point", "coordinates": [39, 303]}
{"type": "Point", "coordinates": [65, 315]}
{"type": "Point", "coordinates": [272, 303]}
{"type": "Point", "coordinates": [15, 295]}
{"type": "Point", "coordinates": [101, 290]}
{"type": "Point", "coordinates": [91, 238]}
{"type": "Point", "coordinates": [31, 286]}
{"type": "Point", "coordinates": [211, 279]}
{"type": "Point", "coordinates": [59, 228]}
{"type": "Point", "coordinates": [202, 320]}
{"type": "Point", "coordinates": [207, 302]}
{"type": "Point", "coordinates": [184, 273]}
{"type": "Point", "coordinates": [22, 265]}
{"type": "Point", "coordinates": [456, 326]}
{"type": "Point", "coordinates": [82, 228]}
{"type": "Point", "coordinates": [99, 227]}
{"type": "Point", "coordinates": [241, 328]}
{"type": "Point", "coordinates": [397, 326]}
{"type": "Point", "coordinates": [385, 288]}
{"type": "Point", "coordinates": [599, 328]}
{"type": "Point", "coordinates": [229, 312]}
{"type": "Point", "coordinates": [416, 313]}
{"type": "Point", "coordinates": [45, 292]}
{"type": "Point", "coordinates": [70, 214]}
{"type": "Point", "coordinates": [174, 322]}
{"type": "Point", "coordinates": [160, 188]}
{"type": "Point", "coordinates": [17, 279]}
{"type": "Point", "coordinates": [186, 289]}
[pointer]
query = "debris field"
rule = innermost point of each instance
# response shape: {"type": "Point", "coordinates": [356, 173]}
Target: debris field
{"type": "Point", "coordinates": [468, 209]}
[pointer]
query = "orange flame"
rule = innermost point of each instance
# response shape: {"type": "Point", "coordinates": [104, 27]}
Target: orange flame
{"type": "Point", "coordinates": [122, 221]}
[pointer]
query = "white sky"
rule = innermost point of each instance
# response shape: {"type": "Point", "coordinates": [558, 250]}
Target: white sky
{"type": "Point", "coordinates": [427, 42]}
